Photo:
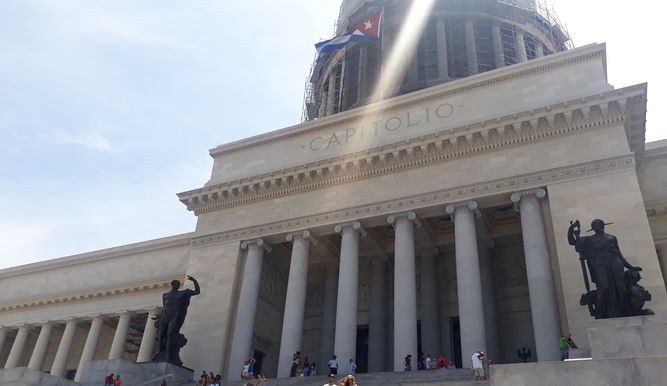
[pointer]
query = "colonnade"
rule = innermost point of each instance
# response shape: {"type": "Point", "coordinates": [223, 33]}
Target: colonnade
{"type": "Point", "coordinates": [339, 329]}
{"type": "Point", "coordinates": [64, 352]}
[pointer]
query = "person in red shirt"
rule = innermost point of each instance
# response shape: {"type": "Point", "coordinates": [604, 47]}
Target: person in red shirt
{"type": "Point", "coordinates": [116, 382]}
{"type": "Point", "coordinates": [442, 362]}
{"type": "Point", "coordinates": [108, 380]}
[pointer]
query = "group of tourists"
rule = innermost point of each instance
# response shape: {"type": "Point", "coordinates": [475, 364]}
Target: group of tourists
{"type": "Point", "coordinates": [302, 366]}
{"type": "Point", "coordinates": [208, 379]}
{"type": "Point", "coordinates": [426, 362]}
{"type": "Point", "coordinates": [110, 380]}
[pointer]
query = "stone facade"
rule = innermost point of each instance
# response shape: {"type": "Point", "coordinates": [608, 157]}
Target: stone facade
{"type": "Point", "coordinates": [434, 220]}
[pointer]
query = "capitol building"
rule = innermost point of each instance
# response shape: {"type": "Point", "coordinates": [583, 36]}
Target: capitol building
{"type": "Point", "coordinates": [422, 206]}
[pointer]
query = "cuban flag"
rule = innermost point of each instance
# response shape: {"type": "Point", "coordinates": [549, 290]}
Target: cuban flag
{"type": "Point", "coordinates": [369, 28]}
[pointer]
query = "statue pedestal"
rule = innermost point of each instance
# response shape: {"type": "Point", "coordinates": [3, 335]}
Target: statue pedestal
{"type": "Point", "coordinates": [135, 374]}
{"type": "Point", "coordinates": [636, 336]}
{"type": "Point", "coordinates": [625, 351]}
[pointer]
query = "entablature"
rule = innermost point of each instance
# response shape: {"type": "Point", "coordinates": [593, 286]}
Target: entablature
{"type": "Point", "coordinates": [624, 106]}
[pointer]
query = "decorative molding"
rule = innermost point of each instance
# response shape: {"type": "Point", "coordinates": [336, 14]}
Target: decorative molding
{"type": "Point", "coordinates": [516, 197]}
{"type": "Point", "coordinates": [356, 225]}
{"type": "Point", "coordinates": [306, 235]}
{"type": "Point", "coordinates": [450, 89]}
{"type": "Point", "coordinates": [471, 205]}
{"type": "Point", "coordinates": [410, 216]}
{"type": "Point", "coordinates": [510, 131]}
{"type": "Point", "coordinates": [257, 242]}
{"type": "Point", "coordinates": [184, 239]}
{"type": "Point", "coordinates": [439, 197]}
{"type": "Point", "coordinates": [92, 294]}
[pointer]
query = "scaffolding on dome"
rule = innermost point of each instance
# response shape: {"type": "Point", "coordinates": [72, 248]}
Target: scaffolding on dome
{"type": "Point", "coordinates": [512, 13]}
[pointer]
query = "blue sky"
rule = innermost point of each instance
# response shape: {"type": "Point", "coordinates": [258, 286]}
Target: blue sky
{"type": "Point", "coordinates": [108, 107]}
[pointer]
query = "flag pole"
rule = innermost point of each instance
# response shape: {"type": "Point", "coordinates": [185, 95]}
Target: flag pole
{"type": "Point", "coordinates": [382, 47]}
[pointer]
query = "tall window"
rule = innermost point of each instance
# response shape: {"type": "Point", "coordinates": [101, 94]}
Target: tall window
{"type": "Point", "coordinates": [484, 43]}
{"type": "Point", "coordinates": [427, 53]}
{"type": "Point", "coordinates": [351, 81]}
{"type": "Point", "coordinates": [456, 47]}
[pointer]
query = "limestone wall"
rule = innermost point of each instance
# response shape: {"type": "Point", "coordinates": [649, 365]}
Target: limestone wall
{"type": "Point", "coordinates": [552, 79]}
{"type": "Point", "coordinates": [614, 198]}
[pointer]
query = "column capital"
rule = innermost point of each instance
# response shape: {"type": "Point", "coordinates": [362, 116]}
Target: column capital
{"type": "Point", "coordinates": [306, 235]}
{"type": "Point", "coordinates": [470, 205]}
{"type": "Point", "coordinates": [258, 242]}
{"type": "Point", "coordinates": [517, 196]}
{"type": "Point", "coordinates": [356, 225]}
{"type": "Point", "coordinates": [411, 216]}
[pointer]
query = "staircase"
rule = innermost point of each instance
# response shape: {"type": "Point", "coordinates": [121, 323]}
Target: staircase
{"type": "Point", "coordinates": [450, 377]}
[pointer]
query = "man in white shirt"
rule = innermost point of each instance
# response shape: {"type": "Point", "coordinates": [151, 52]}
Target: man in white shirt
{"type": "Point", "coordinates": [478, 365]}
{"type": "Point", "coordinates": [332, 380]}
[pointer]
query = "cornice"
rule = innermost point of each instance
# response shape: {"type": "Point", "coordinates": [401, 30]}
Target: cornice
{"type": "Point", "coordinates": [439, 197]}
{"type": "Point", "coordinates": [95, 294]}
{"type": "Point", "coordinates": [456, 87]}
{"type": "Point", "coordinates": [531, 126]}
{"type": "Point", "coordinates": [103, 254]}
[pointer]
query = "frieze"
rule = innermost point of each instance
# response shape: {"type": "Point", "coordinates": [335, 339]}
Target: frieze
{"type": "Point", "coordinates": [439, 197]}
{"type": "Point", "coordinates": [418, 152]}
{"type": "Point", "coordinates": [91, 295]}
{"type": "Point", "coordinates": [447, 92]}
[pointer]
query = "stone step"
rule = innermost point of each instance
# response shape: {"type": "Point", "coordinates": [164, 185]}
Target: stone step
{"type": "Point", "coordinates": [451, 377]}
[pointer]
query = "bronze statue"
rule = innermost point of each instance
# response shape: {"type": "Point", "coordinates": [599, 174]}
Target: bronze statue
{"type": "Point", "coordinates": [169, 322]}
{"type": "Point", "coordinates": [617, 293]}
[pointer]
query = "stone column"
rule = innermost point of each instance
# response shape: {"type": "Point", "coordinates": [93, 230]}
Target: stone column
{"type": "Point", "coordinates": [489, 295]}
{"type": "Point", "coordinates": [543, 304]}
{"type": "Point", "coordinates": [468, 282]}
{"type": "Point", "coordinates": [328, 316]}
{"type": "Point", "coordinates": [345, 341]}
{"type": "Point", "coordinates": [539, 49]}
{"type": "Point", "coordinates": [441, 39]}
{"type": "Point", "coordinates": [295, 300]}
{"type": "Point", "coordinates": [471, 49]}
{"type": "Point", "coordinates": [119, 337]}
{"type": "Point", "coordinates": [521, 48]}
{"type": "Point", "coordinates": [497, 41]}
{"type": "Point", "coordinates": [90, 347]}
{"type": "Point", "coordinates": [60, 361]}
{"type": "Point", "coordinates": [377, 329]}
{"type": "Point", "coordinates": [405, 288]}
{"type": "Point", "coordinates": [3, 337]}
{"type": "Point", "coordinates": [42, 344]}
{"type": "Point", "coordinates": [430, 321]}
{"type": "Point", "coordinates": [148, 338]}
{"type": "Point", "coordinates": [244, 325]}
{"type": "Point", "coordinates": [661, 249]}
{"type": "Point", "coordinates": [17, 348]}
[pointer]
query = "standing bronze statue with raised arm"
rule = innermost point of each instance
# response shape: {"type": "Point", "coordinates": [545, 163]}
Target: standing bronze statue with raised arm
{"type": "Point", "coordinates": [617, 293]}
{"type": "Point", "coordinates": [169, 322]}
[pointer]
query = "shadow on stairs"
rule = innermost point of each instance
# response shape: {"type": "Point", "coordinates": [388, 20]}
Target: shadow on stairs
{"type": "Point", "coordinates": [451, 377]}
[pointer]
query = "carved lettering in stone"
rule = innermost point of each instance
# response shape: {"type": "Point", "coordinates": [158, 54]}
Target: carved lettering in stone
{"type": "Point", "coordinates": [369, 130]}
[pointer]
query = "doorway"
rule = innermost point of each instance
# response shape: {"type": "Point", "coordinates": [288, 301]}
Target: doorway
{"type": "Point", "coordinates": [362, 352]}
{"type": "Point", "coordinates": [455, 330]}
